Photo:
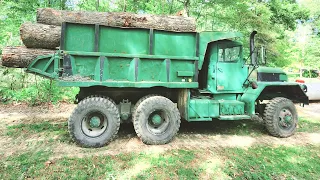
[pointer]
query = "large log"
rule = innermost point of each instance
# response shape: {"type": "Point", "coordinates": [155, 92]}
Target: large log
{"type": "Point", "coordinates": [117, 19]}
{"type": "Point", "coordinates": [35, 35]}
{"type": "Point", "coordinates": [20, 56]}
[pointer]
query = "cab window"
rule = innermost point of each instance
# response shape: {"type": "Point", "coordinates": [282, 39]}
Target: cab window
{"type": "Point", "coordinates": [230, 54]}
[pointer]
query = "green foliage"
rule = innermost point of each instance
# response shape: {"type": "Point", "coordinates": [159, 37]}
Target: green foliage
{"type": "Point", "coordinates": [282, 54]}
{"type": "Point", "coordinates": [170, 7]}
{"type": "Point", "coordinates": [98, 5]}
{"type": "Point", "coordinates": [308, 37]}
{"type": "Point", "coordinates": [15, 12]}
{"type": "Point", "coordinates": [286, 12]}
{"type": "Point", "coordinates": [310, 74]}
{"type": "Point", "coordinates": [18, 86]}
{"type": "Point", "coordinates": [312, 53]}
{"type": "Point", "coordinates": [12, 14]}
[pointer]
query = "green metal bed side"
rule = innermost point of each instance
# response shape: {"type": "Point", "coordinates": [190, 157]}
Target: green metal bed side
{"type": "Point", "coordinates": [96, 55]}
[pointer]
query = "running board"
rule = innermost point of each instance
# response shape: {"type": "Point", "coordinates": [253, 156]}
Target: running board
{"type": "Point", "coordinates": [234, 117]}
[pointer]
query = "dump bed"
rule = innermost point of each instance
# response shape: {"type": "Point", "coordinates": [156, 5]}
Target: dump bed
{"type": "Point", "coordinates": [92, 54]}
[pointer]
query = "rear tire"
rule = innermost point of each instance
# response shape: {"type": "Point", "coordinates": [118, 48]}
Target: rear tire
{"type": "Point", "coordinates": [94, 122]}
{"type": "Point", "coordinates": [140, 101]}
{"type": "Point", "coordinates": [280, 116]}
{"type": "Point", "coordinates": [156, 120]}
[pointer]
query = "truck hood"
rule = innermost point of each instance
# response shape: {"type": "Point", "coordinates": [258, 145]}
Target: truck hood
{"type": "Point", "coordinates": [271, 74]}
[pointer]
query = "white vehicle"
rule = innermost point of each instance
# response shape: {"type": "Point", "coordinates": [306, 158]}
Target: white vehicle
{"type": "Point", "coordinates": [313, 87]}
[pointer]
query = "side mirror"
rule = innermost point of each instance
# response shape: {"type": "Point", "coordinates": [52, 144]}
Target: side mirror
{"type": "Point", "coordinates": [262, 54]}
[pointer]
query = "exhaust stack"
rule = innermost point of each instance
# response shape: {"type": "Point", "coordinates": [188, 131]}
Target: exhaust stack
{"type": "Point", "coordinates": [253, 55]}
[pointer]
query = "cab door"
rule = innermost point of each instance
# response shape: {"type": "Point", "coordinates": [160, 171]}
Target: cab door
{"type": "Point", "coordinates": [230, 72]}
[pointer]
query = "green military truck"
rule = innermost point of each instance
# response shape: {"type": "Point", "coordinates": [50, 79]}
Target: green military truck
{"type": "Point", "coordinates": [154, 78]}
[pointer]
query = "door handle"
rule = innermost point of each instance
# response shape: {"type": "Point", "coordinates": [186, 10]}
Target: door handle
{"type": "Point", "coordinates": [219, 69]}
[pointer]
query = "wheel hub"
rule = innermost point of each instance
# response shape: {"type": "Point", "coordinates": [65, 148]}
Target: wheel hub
{"type": "Point", "coordinates": [285, 118]}
{"type": "Point", "coordinates": [156, 119]}
{"type": "Point", "coordinates": [288, 118]}
{"type": "Point", "coordinates": [158, 122]}
{"type": "Point", "coordinates": [95, 122]}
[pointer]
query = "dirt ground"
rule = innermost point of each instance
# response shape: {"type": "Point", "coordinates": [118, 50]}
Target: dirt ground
{"type": "Point", "coordinates": [198, 135]}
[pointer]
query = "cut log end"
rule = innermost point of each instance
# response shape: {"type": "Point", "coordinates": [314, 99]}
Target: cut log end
{"type": "Point", "coordinates": [35, 35]}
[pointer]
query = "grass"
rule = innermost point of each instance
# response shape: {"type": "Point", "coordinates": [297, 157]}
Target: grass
{"type": "Point", "coordinates": [133, 165]}
{"type": "Point", "coordinates": [255, 162]}
{"type": "Point", "coordinates": [309, 125]}
{"type": "Point", "coordinates": [252, 163]}
{"type": "Point", "coordinates": [173, 164]}
{"type": "Point", "coordinates": [25, 165]}
{"type": "Point", "coordinates": [273, 163]}
{"type": "Point", "coordinates": [41, 129]}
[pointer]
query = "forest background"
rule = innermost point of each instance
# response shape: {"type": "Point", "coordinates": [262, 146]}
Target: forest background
{"type": "Point", "coordinates": [289, 29]}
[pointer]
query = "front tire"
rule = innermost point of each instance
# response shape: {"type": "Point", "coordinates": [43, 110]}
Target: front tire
{"type": "Point", "coordinates": [280, 116]}
{"type": "Point", "coordinates": [94, 122]}
{"type": "Point", "coordinates": [156, 120]}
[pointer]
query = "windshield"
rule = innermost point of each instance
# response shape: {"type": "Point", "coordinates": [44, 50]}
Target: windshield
{"type": "Point", "coordinates": [231, 54]}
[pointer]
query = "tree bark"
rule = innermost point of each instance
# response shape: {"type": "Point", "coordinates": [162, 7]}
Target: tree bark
{"type": "Point", "coordinates": [117, 19]}
{"type": "Point", "coordinates": [35, 35]}
{"type": "Point", "coordinates": [20, 56]}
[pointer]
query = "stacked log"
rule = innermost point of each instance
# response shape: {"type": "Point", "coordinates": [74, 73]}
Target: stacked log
{"type": "Point", "coordinates": [20, 56]}
{"type": "Point", "coordinates": [35, 35]}
{"type": "Point", "coordinates": [43, 37]}
{"type": "Point", "coordinates": [117, 19]}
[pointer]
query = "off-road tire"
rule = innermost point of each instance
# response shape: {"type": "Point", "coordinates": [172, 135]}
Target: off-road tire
{"type": "Point", "coordinates": [98, 96]}
{"type": "Point", "coordinates": [271, 117]}
{"type": "Point", "coordinates": [103, 105]}
{"type": "Point", "coordinates": [134, 109]}
{"type": "Point", "coordinates": [145, 109]}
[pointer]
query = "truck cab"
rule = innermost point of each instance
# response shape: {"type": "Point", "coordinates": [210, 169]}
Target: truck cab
{"type": "Point", "coordinates": [226, 72]}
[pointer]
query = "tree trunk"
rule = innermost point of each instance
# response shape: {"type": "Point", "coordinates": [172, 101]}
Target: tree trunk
{"type": "Point", "coordinates": [117, 19]}
{"type": "Point", "coordinates": [63, 4]}
{"type": "Point", "coordinates": [35, 35]}
{"type": "Point", "coordinates": [97, 5]}
{"type": "Point", "coordinates": [20, 56]}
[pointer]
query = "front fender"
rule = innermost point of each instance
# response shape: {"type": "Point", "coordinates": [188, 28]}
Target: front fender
{"type": "Point", "coordinates": [270, 90]}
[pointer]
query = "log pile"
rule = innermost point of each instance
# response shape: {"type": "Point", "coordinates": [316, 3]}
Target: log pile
{"type": "Point", "coordinates": [43, 37]}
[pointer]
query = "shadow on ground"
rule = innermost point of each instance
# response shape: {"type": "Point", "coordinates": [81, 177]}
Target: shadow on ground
{"type": "Point", "coordinates": [244, 127]}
